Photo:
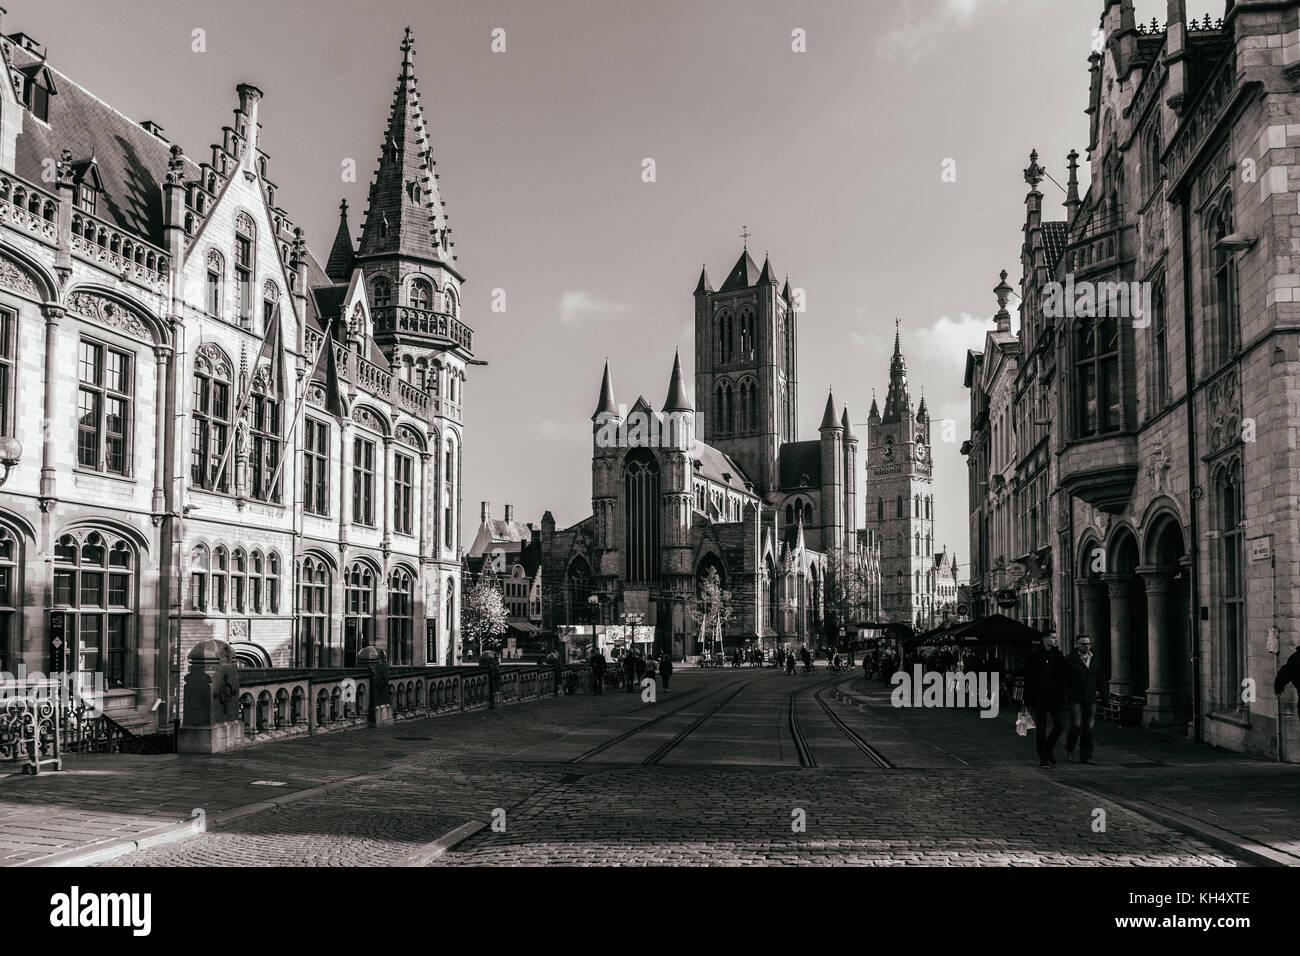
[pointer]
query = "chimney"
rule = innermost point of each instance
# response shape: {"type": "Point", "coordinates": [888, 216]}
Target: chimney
{"type": "Point", "coordinates": [151, 127]}
{"type": "Point", "coordinates": [485, 511]}
{"type": "Point", "coordinates": [249, 98]}
{"type": "Point", "coordinates": [510, 513]}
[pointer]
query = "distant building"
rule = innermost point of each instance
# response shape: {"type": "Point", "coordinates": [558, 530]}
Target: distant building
{"type": "Point", "coordinates": [511, 554]}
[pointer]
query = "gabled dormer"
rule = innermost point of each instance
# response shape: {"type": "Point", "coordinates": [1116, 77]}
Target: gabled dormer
{"type": "Point", "coordinates": [86, 185]}
{"type": "Point", "coordinates": [38, 89]}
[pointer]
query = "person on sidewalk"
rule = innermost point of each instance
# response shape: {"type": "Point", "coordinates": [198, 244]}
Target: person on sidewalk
{"type": "Point", "coordinates": [553, 662]}
{"type": "Point", "coordinates": [666, 668]}
{"type": "Point", "coordinates": [629, 671]}
{"type": "Point", "coordinates": [1289, 674]}
{"type": "Point", "coordinates": [806, 657]}
{"type": "Point", "coordinates": [1085, 682]}
{"type": "Point", "coordinates": [598, 671]}
{"type": "Point", "coordinates": [1045, 695]}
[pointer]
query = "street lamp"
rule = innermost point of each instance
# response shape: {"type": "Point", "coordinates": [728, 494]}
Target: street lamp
{"type": "Point", "coordinates": [11, 450]}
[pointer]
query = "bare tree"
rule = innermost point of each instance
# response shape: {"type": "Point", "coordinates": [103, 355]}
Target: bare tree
{"type": "Point", "coordinates": [847, 589]}
{"type": "Point", "coordinates": [711, 609]}
{"type": "Point", "coordinates": [483, 615]}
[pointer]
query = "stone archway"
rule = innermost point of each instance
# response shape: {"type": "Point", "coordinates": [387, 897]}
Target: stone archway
{"type": "Point", "coordinates": [1165, 576]}
{"type": "Point", "coordinates": [1127, 656]}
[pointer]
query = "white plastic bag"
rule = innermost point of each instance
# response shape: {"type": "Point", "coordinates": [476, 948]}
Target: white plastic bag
{"type": "Point", "coordinates": [1025, 723]}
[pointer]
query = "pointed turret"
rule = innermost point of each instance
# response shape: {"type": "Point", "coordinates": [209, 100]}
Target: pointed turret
{"type": "Point", "coordinates": [703, 285]}
{"type": "Point", "coordinates": [342, 255]}
{"type": "Point", "coordinates": [874, 414]}
{"type": "Point", "coordinates": [404, 214]}
{"type": "Point", "coordinates": [920, 409]}
{"type": "Point", "coordinates": [897, 401]}
{"type": "Point", "coordinates": [768, 274]}
{"type": "Point", "coordinates": [785, 291]}
{"type": "Point", "coordinates": [743, 274]}
{"type": "Point", "coordinates": [848, 428]}
{"type": "Point", "coordinates": [677, 400]}
{"type": "Point", "coordinates": [605, 406]}
{"type": "Point", "coordinates": [829, 420]}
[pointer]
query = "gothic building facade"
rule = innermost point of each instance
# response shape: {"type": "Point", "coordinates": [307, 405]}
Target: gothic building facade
{"type": "Point", "coordinates": [718, 483]}
{"type": "Point", "coordinates": [1172, 507]}
{"type": "Point", "coordinates": [210, 434]}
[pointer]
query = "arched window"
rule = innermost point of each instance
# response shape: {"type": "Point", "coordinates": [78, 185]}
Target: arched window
{"type": "Point", "coordinates": [216, 272]}
{"type": "Point", "coordinates": [256, 582]}
{"type": "Point", "coordinates": [807, 513]}
{"type": "Point", "coordinates": [270, 302]}
{"type": "Point", "coordinates": [421, 294]}
{"type": "Point", "coordinates": [313, 612]}
{"type": "Point", "coordinates": [917, 507]}
{"type": "Point", "coordinates": [880, 509]}
{"type": "Point", "coordinates": [917, 578]}
{"type": "Point", "coordinates": [1223, 306]}
{"type": "Point", "coordinates": [641, 487]}
{"type": "Point", "coordinates": [927, 507]}
{"type": "Point", "coordinates": [900, 506]}
{"type": "Point", "coordinates": [273, 583]}
{"type": "Point", "coordinates": [381, 292]}
{"type": "Point", "coordinates": [1231, 590]}
{"type": "Point", "coordinates": [244, 260]}
{"type": "Point", "coordinates": [452, 628]}
{"type": "Point", "coordinates": [266, 428]}
{"type": "Point", "coordinates": [746, 336]}
{"type": "Point", "coordinates": [901, 545]}
{"type": "Point", "coordinates": [449, 477]}
{"type": "Point", "coordinates": [199, 568]}
{"type": "Point", "coordinates": [358, 610]}
{"type": "Point", "coordinates": [449, 302]}
{"type": "Point", "coordinates": [220, 578]}
{"type": "Point", "coordinates": [401, 617]}
{"type": "Point", "coordinates": [238, 581]}
{"type": "Point", "coordinates": [9, 597]}
{"type": "Point", "coordinates": [1098, 395]}
{"type": "Point", "coordinates": [929, 545]}
{"type": "Point", "coordinates": [1160, 349]}
{"type": "Point", "coordinates": [94, 587]}
{"type": "Point", "coordinates": [789, 514]}
{"type": "Point", "coordinates": [900, 579]}
{"type": "Point", "coordinates": [211, 421]}
{"type": "Point", "coordinates": [724, 337]}
{"type": "Point", "coordinates": [917, 553]}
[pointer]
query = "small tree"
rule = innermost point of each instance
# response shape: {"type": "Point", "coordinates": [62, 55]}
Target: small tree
{"type": "Point", "coordinates": [846, 589]}
{"type": "Point", "coordinates": [483, 617]}
{"type": "Point", "coordinates": [711, 609]}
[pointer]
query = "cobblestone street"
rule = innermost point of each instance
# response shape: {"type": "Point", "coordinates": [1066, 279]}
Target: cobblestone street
{"type": "Point", "coordinates": [713, 774]}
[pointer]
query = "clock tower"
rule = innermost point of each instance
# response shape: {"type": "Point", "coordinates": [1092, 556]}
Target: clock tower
{"type": "Point", "coordinates": [900, 499]}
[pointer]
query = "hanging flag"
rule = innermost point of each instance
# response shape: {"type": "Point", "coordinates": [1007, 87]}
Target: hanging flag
{"type": "Point", "coordinates": [336, 402]}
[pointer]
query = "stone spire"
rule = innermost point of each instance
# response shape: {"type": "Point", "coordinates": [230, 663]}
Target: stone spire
{"type": "Point", "coordinates": [1072, 201]}
{"type": "Point", "coordinates": [404, 214]}
{"type": "Point", "coordinates": [874, 414]}
{"type": "Point", "coordinates": [704, 285]}
{"type": "Point", "coordinates": [605, 405]}
{"type": "Point", "coordinates": [677, 400]}
{"type": "Point", "coordinates": [342, 256]}
{"type": "Point", "coordinates": [848, 428]}
{"type": "Point", "coordinates": [829, 421]}
{"type": "Point", "coordinates": [897, 402]}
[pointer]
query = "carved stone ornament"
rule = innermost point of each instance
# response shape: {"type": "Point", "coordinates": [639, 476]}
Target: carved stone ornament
{"type": "Point", "coordinates": [244, 224]}
{"type": "Point", "coordinates": [214, 260]}
{"type": "Point", "coordinates": [109, 313]}
{"type": "Point", "coordinates": [364, 416]}
{"type": "Point", "coordinates": [316, 395]}
{"type": "Point", "coordinates": [1224, 406]}
{"type": "Point", "coordinates": [209, 359]}
{"type": "Point", "coordinates": [19, 279]}
{"type": "Point", "coordinates": [407, 437]}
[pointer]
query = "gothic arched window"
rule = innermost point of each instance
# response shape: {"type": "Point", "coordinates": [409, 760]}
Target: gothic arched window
{"type": "Point", "coordinates": [94, 583]}
{"type": "Point", "coordinates": [313, 612]}
{"type": "Point", "coordinates": [210, 420]}
{"type": "Point", "coordinates": [1223, 311]}
{"type": "Point", "coordinates": [724, 337]}
{"type": "Point", "coordinates": [641, 489]}
{"type": "Point", "coordinates": [401, 617]}
{"type": "Point", "coordinates": [421, 294]}
{"type": "Point", "coordinates": [381, 292]}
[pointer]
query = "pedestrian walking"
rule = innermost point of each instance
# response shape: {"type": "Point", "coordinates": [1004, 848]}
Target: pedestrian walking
{"type": "Point", "coordinates": [1085, 682]}
{"type": "Point", "coordinates": [629, 672]}
{"type": "Point", "coordinates": [789, 663]}
{"type": "Point", "coordinates": [806, 657]}
{"type": "Point", "coordinates": [598, 671]}
{"type": "Point", "coordinates": [553, 661]}
{"type": "Point", "coordinates": [1289, 674]}
{"type": "Point", "coordinates": [666, 668]}
{"type": "Point", "coordinates": [1045, 696]}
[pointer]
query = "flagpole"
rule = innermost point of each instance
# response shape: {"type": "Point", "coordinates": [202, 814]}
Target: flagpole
{"type": "Point", "coordinates": [272, 325]}
{"type": "Point", "coordinates": [327, 341]}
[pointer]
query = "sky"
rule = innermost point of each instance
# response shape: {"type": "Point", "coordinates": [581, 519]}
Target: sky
{"type": "Point", "coordinates": [833, 159]}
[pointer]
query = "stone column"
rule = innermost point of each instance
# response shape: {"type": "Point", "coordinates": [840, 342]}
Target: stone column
{"type": "Point", "coordinates": [1121, 677]}
{"type": "Point", "coordinates": [162, 362]}
{"type": "Point", "coordinates": [1089, 600]}
{"type": "Point", "coordinates": [1163, 633]}
{"type": "Point", "coordinates": [423, 488]}
{"type": "Point", "coordinates": [384, 494]}
{"type": "Point", "coordinates": [48, 491]}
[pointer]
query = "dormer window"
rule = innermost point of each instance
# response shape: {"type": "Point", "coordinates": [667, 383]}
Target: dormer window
{"type": "Point", "coordinates": [86, 185]}
{"type": "Point", "coordinates": [37, 92]}
{"type": "Point", "coordinates": [86, 197]}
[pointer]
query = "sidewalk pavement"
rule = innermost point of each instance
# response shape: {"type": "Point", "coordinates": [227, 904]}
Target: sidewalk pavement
{"type": "Point", "coordinates": [1244, 805]}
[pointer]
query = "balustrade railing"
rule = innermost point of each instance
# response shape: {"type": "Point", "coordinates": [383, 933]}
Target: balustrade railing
{"type": "Point", "coordinates": [30, 209]}
{"type": "Point", "coordinates": [408, 320]}
{"type": "Point", "coordinates": [97, 241]}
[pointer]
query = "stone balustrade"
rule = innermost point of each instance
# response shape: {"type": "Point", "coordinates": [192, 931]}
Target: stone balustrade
{"type": "Point", "coordinates": [29, 209]}
{"type": "Point", "coordinates": [98, 242]}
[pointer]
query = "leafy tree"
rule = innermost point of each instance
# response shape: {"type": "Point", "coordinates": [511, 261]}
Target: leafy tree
{"type": "Point", "coordinates": [711, 609]}
{"type": "Point", "coordinates": [483, 617]}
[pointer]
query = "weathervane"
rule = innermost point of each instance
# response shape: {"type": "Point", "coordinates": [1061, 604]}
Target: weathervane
{"type": "Point", "coordinates": [744, 235]}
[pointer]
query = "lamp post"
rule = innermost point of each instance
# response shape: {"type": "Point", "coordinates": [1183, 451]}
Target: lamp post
{"type": "Point", "coordinates": [11, 450]}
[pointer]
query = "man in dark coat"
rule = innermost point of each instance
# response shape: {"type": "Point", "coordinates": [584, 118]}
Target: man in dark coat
{"type": "Point", "coordinates": [1045, 695]}
{"type": "Point", "coordinates": [598, 671]}
{"type": "Point", "coordinates": [1289, 674]}
{"type": "Point", "coordinates": [666, 668]}
{"type": "Point", "coordinates": [629, 670]}
{"type": "Point", "coordinates": [1085, 682]}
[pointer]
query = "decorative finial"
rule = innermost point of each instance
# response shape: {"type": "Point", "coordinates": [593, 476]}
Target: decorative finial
{"type": "Point", "coordinates": [343, 207]}
{"type": "Point", "coordinates": [1034, 173]}
{"type": "Point", "coordinates": [744, 236]}
{"type": "Point", "coordinates": [408, 48]}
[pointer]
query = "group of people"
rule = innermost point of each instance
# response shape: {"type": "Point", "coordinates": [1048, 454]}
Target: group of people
{"type": "Point", "coordinates": [785, 660]}
{"type": "Point", "coordinates": [1055, 682]}
{"type": "Point", "coordinates": [634, 667]}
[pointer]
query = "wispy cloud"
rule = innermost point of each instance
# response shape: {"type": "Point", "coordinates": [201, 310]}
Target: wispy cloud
{"type": "Point", "coordinates": [577, 306]}
{"type": "Point", "coordinates": [924, 21]}
{"type": "Point", "coordinates": [947, 340]}
{"type": "Point", "coordinates": [867, 333]}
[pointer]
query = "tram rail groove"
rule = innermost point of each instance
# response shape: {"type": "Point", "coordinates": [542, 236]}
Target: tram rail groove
{"type": "Point", "coordinates": [804, 751]}
{"type": "Point", "coordinates": [668, 746]}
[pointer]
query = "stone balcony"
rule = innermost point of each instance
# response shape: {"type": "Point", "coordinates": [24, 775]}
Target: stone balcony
{"type": "Point", "coordinates": [424, 325]}
{"type": "Point", "coordinates": [1100, 471]}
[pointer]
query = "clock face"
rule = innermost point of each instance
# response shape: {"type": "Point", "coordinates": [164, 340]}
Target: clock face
{"type": "Point", "coordinates": [920, 453]}
{"type": "Point", "coordinates": [889, 452]}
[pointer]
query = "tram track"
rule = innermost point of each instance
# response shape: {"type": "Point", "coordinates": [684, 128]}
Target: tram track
{"type": "Point", "coordinates": [668, 746]}
{"type": "Point", "coordinates": [802, 749]}
{"type": "Point", "coordinates": [641, 728]}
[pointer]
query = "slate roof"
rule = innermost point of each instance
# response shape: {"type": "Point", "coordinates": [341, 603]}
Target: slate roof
{"type": "Point", "coordinates": [132, 162]}
{"type": "Point", "coordinates": [797, 459]}
{"type": "Point", "coordinates": [1054, 236]}
{"type": "Point", "coordinates": [714, 464]}
{"type": "Point", "coordinates": [743, 274]}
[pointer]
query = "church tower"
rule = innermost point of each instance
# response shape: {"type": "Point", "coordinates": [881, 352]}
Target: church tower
{"type": "Point", "coordinates": [746, 368]}
{"type": "Point", "coordinates": [413, 288]}
{"type": "Point", "coordinates": [900, 499]}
